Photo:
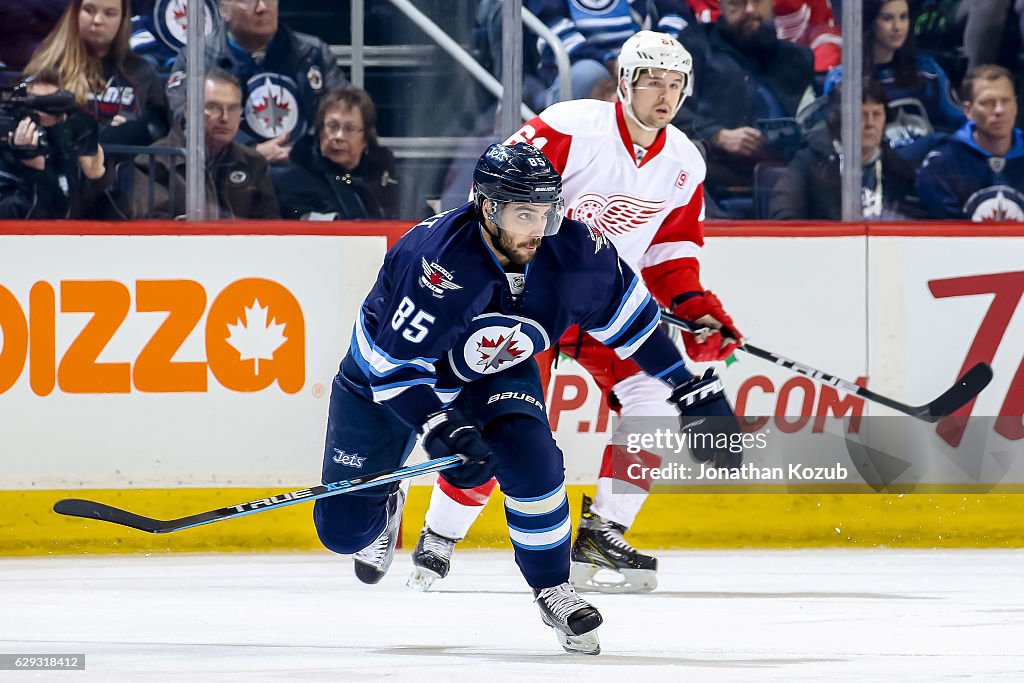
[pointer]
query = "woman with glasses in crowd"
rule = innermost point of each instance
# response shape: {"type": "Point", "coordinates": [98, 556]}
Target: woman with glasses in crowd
{"type": "Point", "coordinates": [89, 48]}
{"type": "Point", "coordinates": [340, 172]}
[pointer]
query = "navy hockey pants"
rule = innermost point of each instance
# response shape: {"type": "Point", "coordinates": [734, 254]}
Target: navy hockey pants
{"type": "Point", "coordinates": [364, 437]}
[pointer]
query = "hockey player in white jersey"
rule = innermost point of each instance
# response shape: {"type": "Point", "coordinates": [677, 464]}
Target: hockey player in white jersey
{"type": "Point", "coordinates": [638, 179]}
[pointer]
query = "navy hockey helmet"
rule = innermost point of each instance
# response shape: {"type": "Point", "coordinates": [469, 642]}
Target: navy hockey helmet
{"type": "Point", "coordinates": [518, 174]}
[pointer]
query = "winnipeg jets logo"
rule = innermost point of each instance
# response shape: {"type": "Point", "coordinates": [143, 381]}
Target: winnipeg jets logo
{"type": "Point", "coordinates": [272, 107]}
{"type": "Point", "coordinates": [495, 342]}
{"type": "Point", "coordinates": [998, 203]}
{"type": "Point", "coordinates": [170, 18]}
{"type": "Point", "coordinates": [616, 214]}
{"type": "Point", "coordinates": [437, 279]}
{"type": "Point", "coordinates": [600, 240]}
{"type": "Point", "coordinates": [502, 349]}
{"type": "Point", "coordinates": [348, 459]}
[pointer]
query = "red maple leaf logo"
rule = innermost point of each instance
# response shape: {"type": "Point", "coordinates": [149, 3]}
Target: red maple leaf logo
{"type": "Point", "coordinates": [494, 353]}
{"type": "Point", "coordinates": [435, 278]}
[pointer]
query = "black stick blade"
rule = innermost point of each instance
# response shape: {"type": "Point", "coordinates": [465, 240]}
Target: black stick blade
{"type": "Point", "coordinates": [960, 394]}
{"type": "Point", "coordinates": [89, 509]}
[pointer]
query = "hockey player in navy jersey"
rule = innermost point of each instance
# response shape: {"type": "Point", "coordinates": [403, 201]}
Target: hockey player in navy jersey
{"type": "Point", "coordinates": [443, 346]}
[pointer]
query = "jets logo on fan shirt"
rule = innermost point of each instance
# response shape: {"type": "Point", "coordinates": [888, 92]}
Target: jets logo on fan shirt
{"type": "Point", "coordinates": [170, 18]}
{"type": "Point", "coordinates": [437, 279]}
{"type": "Point", "coordinates": [996, 203]}
{"type": "Point", "coordinates": [495, 342]}
{"type": "Point", "coordinates": [616, 214]}
{"type": "Point", "coordinates": [272, 105]}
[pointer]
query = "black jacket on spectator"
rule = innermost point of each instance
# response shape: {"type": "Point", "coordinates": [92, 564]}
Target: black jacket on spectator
{"type": "Point", "coordinates": [138, 96]}
{"type": "Point", "coordinates": [810, 188]}
{"type": "Point", "coordinates": [726, 80]}
{"type": "Point", "coordinates": [58, 191]}
{"type": "Point", "coordinates": [237, 183]}
{"type": "Point", "coordinates": [302, 68]}
{"type": "Point", "coordinates": [724, 83]}
{"type": "Point", "coordinates": [313, 183]}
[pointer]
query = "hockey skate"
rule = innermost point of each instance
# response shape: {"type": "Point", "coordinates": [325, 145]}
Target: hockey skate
{"type": "Point", "coordinates": [372, 562]}
{"type": "Point", "coordinates": [430, 560]}
{"type": "Point", "coordinates": [574, 619]}
{"type": "Point", "coordinates": [600, 550]}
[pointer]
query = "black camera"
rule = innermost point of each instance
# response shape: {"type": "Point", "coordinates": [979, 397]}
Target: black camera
{"type": "Point", "coordinates": [76, 135]}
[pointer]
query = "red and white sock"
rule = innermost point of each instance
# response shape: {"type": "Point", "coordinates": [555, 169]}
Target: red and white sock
{"type": "Point", "coordinates": [453, 510]}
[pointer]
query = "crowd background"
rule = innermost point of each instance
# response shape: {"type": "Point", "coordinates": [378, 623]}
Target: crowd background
{"type": "Point", "coordinates": [289, 136]}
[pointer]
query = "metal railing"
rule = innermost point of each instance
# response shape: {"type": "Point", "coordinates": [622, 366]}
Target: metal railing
{"type": "Point", "coordinates": [124, 171]}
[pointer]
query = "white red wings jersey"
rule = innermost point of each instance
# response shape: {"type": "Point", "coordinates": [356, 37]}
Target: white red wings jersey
{"type": "Point", "coordinates": [651, 210]}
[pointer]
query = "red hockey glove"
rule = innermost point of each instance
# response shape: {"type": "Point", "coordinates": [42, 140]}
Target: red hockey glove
{"type": "Point", "coordinates": [704, 308]}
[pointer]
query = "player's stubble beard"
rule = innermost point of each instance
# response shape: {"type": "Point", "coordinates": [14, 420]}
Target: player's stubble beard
{"type": "Point", "coordinates": [508, 246]}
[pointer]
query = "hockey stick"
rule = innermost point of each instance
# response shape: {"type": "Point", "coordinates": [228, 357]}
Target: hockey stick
{"type": "Point", "coordinates": [77, 507]}
{"type": "Point", "coordinates": [957, 396]}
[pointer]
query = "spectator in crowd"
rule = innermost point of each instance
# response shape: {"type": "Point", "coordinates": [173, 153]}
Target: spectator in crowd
{"type": "Point", "coordinates": [978, 175]}
{"type": "Point", "coordinates": [159, 30]}
{"type": "Point", "coordinates": [283, 75]}
{"type": "Point", "coordinates": [51, 165]}
{"type": "Point", "coordinates": [90, 50]}
{"type": "Point", "coordinates": [917, 89]}
{"type": "Point", "coordinates": [985, 28]}
{"type": "Point", "coordinates": [747, 83]}
{"type": "Point", "coordinates": [805, 22]}
{"type": "Point", "coordinates": [237, 180]}
{"type": "Point", "coordinates": [810, 186]}
{"type": "Point", "coordinates": [340, 172]}
{"type": "Point", "coordinates": [593, 34]}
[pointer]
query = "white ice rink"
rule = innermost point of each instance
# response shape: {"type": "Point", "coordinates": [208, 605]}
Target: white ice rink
{"type": "Point", "coordinates": [717, 616]}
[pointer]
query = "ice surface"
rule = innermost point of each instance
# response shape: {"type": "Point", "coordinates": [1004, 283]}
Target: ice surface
{"type": "Point", "coordinates": [821, 615]}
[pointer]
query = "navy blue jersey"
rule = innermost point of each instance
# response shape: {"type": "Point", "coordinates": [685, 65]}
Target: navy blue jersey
{"type": "Point", "coordinates": [960, 180]}
{"type": "Point", "coordinates": [442, 312]}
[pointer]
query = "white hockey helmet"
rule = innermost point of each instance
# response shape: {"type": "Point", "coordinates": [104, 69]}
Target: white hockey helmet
{"type": "Point", "coordinates": [652, 50]}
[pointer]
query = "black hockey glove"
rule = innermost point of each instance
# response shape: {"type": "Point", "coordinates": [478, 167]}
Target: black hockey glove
{"type": "Point", "coordinates": [446, 433]}
{"type": "Point", "coordinates": [704, 412]}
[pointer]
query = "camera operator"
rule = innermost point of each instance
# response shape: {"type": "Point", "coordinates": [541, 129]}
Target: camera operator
{"type": "Point", "coordinates": [51, 165]}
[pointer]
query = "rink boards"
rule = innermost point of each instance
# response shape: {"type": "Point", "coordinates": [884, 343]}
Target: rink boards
{"type": "Point", "coordinates": [173, 373]}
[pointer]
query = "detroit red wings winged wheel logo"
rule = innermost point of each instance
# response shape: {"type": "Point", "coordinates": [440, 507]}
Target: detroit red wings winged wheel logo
{"type": "Point", "coordinates": [616, 214]}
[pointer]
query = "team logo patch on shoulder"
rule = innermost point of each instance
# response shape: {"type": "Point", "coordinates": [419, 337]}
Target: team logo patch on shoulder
{"type": "Point", "coordinates": [599, 238]}
{"type": "Point", "coordinates": [315, 77]}
{"type": "Point", "coordinates": [237, 177]}
{"type": "Point", "coordinates": [437, 279]}
{"type": "Point", "coordinates": [272, 105]}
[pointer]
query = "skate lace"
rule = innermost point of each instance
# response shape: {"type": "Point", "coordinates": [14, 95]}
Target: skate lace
{"type": "Point", "coordinates": [562, 600]}
{"type": "Point", "coordinates": [375, 552]}
{"type": "Point", "coordinates": [438, 545]}
{"type": "Point", "coordinates": [613, 535]}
